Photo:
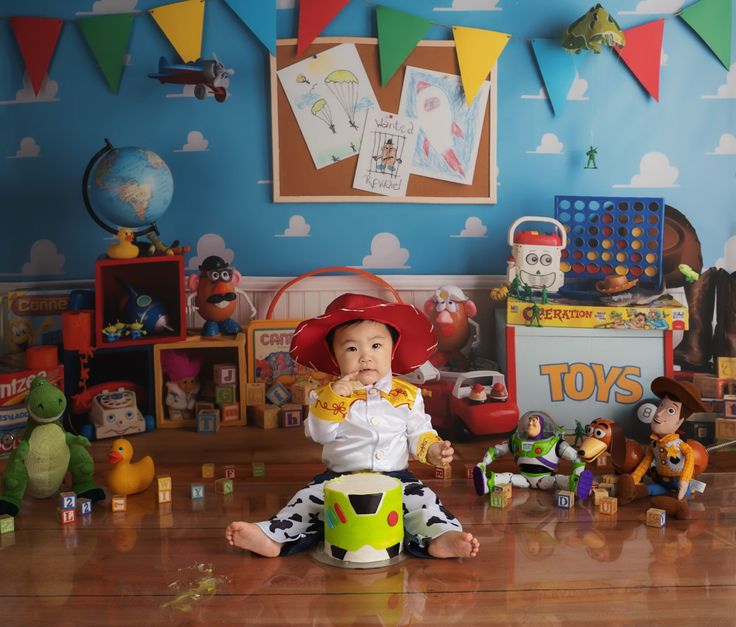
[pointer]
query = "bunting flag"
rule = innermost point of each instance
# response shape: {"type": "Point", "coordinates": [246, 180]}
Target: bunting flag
{"type": "Point", "coordinates": [314, 16]}
{"type": "Point", "coordinates": [398, 35]}
{"type": "Point", "coordinates": [557, 67]}
{"type": "Point", "coordinates": [711, 20]}
{"type": "Point", "coordinates": [260, 18]}
{"type": "Point", "coordinates": [642, 54]}
{"type": "Point", "coordinates": [37, 38]}
{"type": "Point", "coordinates": [477, 53]}
{"type": "Point", "coordinates": [182, 24]}
{"type": "Point", "coordinates": [107, 37]}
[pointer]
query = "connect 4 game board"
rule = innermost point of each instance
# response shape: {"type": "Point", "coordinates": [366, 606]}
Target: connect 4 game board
{"type": "Point", "coordinates": [612, 235]}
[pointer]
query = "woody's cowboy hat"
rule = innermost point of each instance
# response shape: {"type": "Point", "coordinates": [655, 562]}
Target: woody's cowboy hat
{"type": "Point", "coordinates": [415, 345]}
{"type": "Point", "coordinates": [615, 283]}
{"type": "Point", "coordinates": [682, 391]}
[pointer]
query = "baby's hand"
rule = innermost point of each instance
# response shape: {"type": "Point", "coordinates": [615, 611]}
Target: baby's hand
{"type": "Point", "coordinates": [343, 386]}
{"type": "Point", "coordinates": [441, 453]}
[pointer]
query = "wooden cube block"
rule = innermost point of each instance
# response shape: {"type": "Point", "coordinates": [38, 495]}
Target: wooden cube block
{"type": "Point", "coordinates": [225, 374]}
{"type": "Point", "coordinates": [208, 471]}
{"type": "Point", "coordinates": [498, 500]}
{"type": "Point", "coordinates": [565, 499]}
{"type": "Point", "coordinates": [608, 487]}
{"type": "Point", "coordinates": [608, 505]}
{"type": "Point", "coordinates": [229, 471]}
{"type": "Point", "coordinates": [259, 469]}
{"type": "Point", "coordinates": [225, 394]}
{"type": "Point", "coordinates": [598, 494]}
{"type": "Point", "coordinates": [611, 478]}
{"type": "Point", "coordinates": [265, 416]}
{"type": "Point", "coordinates": [119, 503]}
{"type": "Point", "coordinates": [164, 496]}
{"type": "Point", "coordinates": [197, 490]}
{"type": "Point", "coordinates": [443, 472]}
{"type": "Point", "coordinates": [656, 517]}
{"type": "Point", "coordinates": [729, 405]}
{"type": "Point", "coordinates": [278, 394]}
{"type": "Point", "coordinates": [503, 488]}
{"type": "Point", "coordinates": [224, 486]}
{"type": "Point", "coordinates": [291, 415]}
{"type": "Point", "coordinates": [229, 412]}
{"type": "Point", "coordinates": [727, 367]}
{"type": "Point", "coordinates": [725, 429]}
{"type": "Point", "coordinates": [300, 393]}
{"type": "Point", "coordinates": [255, 393]}
{"type": "Point", "coordinates": [7, 524]}
{"type": "Point", "coordinates": [67, 516]}
{"type": "Point", "coordinates": [208, 420]}
{"type": "Point", "coordinates": [68, 500]}
{"type": "Point", "coordinates": [85, 506]}
{"type": "Point", "coordinates": [164, 488]}
{"type": "Point", "coordinates": [469, 471]}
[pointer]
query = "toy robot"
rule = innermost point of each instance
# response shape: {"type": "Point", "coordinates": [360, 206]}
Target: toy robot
{"type": "Point", "coordinates": [535, 256]}
{"type": "Point", "coordinates": [537, 446]}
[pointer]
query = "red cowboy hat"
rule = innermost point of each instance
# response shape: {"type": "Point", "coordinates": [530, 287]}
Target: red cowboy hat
{"type": "Point", "coordinates": [415, 345]}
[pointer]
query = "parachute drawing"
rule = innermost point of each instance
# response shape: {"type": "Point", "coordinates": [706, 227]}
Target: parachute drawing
{"type": "Point", "coordinates": [344, 85]}
{"type": "Point", "coordinates": [300, 78]}
{"type": "Point", "coordinates": [321, 110]}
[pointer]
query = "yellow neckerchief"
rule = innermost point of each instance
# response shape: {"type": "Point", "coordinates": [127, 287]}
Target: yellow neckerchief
{"type": "Point", "coordinates": [401, 393]}
{"type": "Point", "coordinates": [334, 408]}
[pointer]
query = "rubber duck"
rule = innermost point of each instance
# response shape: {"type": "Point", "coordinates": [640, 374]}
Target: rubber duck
{"type": "Point", "coordinates": [124, 248]}
{"type": "Point", "coordinates": [126, 477]}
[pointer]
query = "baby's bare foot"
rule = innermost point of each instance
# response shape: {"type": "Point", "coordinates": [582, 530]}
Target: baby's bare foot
{"type": "Point", "coordinates": [454, 544]}
{"type": "Point", "coordinates": [250, 537]}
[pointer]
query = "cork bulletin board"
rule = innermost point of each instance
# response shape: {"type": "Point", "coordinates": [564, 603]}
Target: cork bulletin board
{"type": "Point", "coordinates": [295, 177]}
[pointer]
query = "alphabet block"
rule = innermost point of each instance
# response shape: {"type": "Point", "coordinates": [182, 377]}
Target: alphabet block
{"type": "Point", "coordinates": [469, 471]}
{"type": "Point", "coordinates": [224, 486]}
{"type": "Point", "coordinates": [7, 524]}
{"type": "Point", "coordinates": [498, 500]}
{"type": "Point", "coordinates": [225, 374]}
{"type": "Point", "coordinates": [68, 500]}
{"type": "Point", "coordinates": [259, 469]}
{"type": "Point", "coordinates": [164, 488]}
{"type": "Point", "coordinates": [85, 506]}
{"type": "Point", "coordinates": [300, 393]}
{"type": "Point", "coordinates": [443, 472]}
{"type": "Point", "coordinates": [503, 488]}
{"type": "Point", "coordinates": [291, 415]}
{"type": "Point", "coordinates": [565, 499]}
{"type": "Point", "coordinates": [67, 516]}
{"type": "Point", "coordinates": [608, 487]}
{"type": "Point", "coordinates": [265, 416]}
{"type": "Point", "coordinates": [725, 429]}
{"type": "Point", "coordinates": [225, 394]}
{"type": "Point", "coordinates": [119, 503]}
{"type": "Point", "coordinates": [208, 420]}
{"type": "Point", "coordinates": [729, 406]}
{"type": "Point", "coordinates": [656, 517]}
{"type": "Point", "coordinates": [229, 412]}
{"type": "Point", "coordinates": [278, 394]}
{"type": "Point", "coordinates": [255, 393]}
{"type": "Point", "coordinates": [197, 490]}
{"type": "Point", "coordinates": [608, 505]}
{"type": "Point", "coordinates": [598, 494]}
{"type": "Point", "coordinates": [208, 471]}
{"type": "Point", "coordinates": [229, 471]}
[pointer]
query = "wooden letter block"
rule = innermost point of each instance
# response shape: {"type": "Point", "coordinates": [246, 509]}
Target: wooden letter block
{"type": "Point", "coordinates": [164, 488]}
{"type": "Point", "coordinates": [278, 394]}
{"type": "Point", "coordinates": [224, 486]}
{"type": "Point", "coordinates": [300, 393]}
{"type": "Point", "coordinates": [729, 406]}
{"type": "Point", "coordinates": [608, 487]}
{"type": "Point", "coordinates": [503, 488]}
{"type": "Point", "coordinates": [197, 490]}
{"type": "Point", "coordinates": [7, 524]}
{"type": "Point", "coordinates": [656, 517]}
{"type": "Point", "coordinates": [119, 503]}
{"type": "Point", "coordinates": [225, 394]}
{"type": "Point", "coordinates": [608, 505]}
{"type": "Point", "coordinates": [725, 429]}
{"type": "Point", "coordinates": [85, 506]}
{"type": "Point", "coordinates": [565, 499]}
{"type": "Point", "coordinates": [443, 472]}
{"type": "Point", "coordinates": [265, 416]}
{"type": "Point", "coordinates": [68, 500]}
{"type": "Point", "coordinates": [259, 469]}
{"type": "Point", "coordinates": [469, 471]}
{"type": "Point", "coordinates": [229, 471]}
{"type": "Point", "coordinates": [208, 471]}
{"type": "Point", "coordinates": [727, 367]}
{"type": "Point", "coordinates": [611, 478]}
{"type": "Point", "coordinates": [67, 516]}
{"type": "Point", "coordinates": [255, 393]}
{"type": "Point", "coordinates": [208, 420]}
{"type": "Point", "coordinates": [291, 415]}
{"type": "Point", "coordinates": [598, 494]}
{"type": "Point", "coordinates": [225, 374]}
{"type": "Point", "coordinates": [229, 412]}
{"type": "Point", "coordinates": [498, 500]}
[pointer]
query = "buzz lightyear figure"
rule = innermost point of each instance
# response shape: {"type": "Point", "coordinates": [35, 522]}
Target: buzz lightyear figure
{"type": "Point", "coordinates": [537, 446]}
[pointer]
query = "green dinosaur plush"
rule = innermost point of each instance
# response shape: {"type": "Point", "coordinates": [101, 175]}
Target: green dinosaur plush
{"type": "Point", "coordinates": [39, 465]}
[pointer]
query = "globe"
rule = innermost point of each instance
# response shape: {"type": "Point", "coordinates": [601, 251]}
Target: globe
{"type": "Point", "coordinates": [128, 187]}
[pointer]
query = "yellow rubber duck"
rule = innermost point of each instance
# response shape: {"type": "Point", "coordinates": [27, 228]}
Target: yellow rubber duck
{"type": "Point", "coordinates": [126, 477]}
{"type": "Point", "coordinates": [125, 248]}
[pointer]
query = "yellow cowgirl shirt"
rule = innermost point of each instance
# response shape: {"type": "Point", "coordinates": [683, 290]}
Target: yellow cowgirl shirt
{"type": "Point", "coordinates": [669, 457]}
{"type": "Point", "coordinates": [376, 428]}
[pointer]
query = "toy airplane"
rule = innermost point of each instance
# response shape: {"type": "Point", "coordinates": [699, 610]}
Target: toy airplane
{"type": "Point", "coordinates": [204, 74]}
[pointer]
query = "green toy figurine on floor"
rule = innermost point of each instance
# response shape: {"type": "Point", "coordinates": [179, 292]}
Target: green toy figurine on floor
{"type": "Point", "coordinates": [38, 466]}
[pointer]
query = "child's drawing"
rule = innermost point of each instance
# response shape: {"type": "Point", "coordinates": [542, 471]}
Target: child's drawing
{"type": "Point", "coordinates": [329, 94]}
{"type": "Point", "coordinates": [449, 130]}
{"type": "Point", "coordinates": [384, 163]}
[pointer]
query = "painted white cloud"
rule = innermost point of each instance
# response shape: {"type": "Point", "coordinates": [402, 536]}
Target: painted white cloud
{"type": "Point", "coordinates": [549, 145]}
{"type": "Point", "coordinates": [264, 181]}
{"type": "Point", "coordinates": [210, 244]}
{"type": "Point", "coordinates": [474, 227]}
{"type": "Point", "coordinates": [540, 95]}
{"type": "Point", "coordinates": [45, 259]}
{"type": "Point", "coordinates": [195, 143]}
{"type": "Point", "coordinates": [25, 95]}
{"type": "Point", "coordinates": [654, 171]}
{"type": "Point", "coordinates": [649, 7]}
{"type": "Point", "coordinates": [578, 88]}
{"type": "Point", "coordinates": [664, 58]}
{"type": "Point", "coordinates": [285, 4]}
{"type": "Point", "coordinates": [298, 227]}
{"type": "Point", "coordinates": [728, 89]}
{"type": "Point", "coordinates": [472, 5]}
{"type": "Point", "coordinates": [728, 261]}
{"type": "Point", "coordinates": [111, 6]}
{"type": "Point", "coordinates": [726, 145]}
{"type": "Point", "coordinates": [386, 252]}
{"type": "Point", "coordinates": [29, 149]}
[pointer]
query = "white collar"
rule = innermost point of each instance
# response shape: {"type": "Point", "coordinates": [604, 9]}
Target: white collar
{"type": "Point", "coordinates": [384, 384]}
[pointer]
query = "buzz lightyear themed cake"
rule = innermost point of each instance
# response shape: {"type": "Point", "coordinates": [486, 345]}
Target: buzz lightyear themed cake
{"type": "Point", "coordinates": [364, 521]}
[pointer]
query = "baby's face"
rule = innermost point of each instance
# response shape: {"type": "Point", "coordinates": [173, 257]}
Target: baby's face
{"type": "Point", "coordinates": [365, 348]}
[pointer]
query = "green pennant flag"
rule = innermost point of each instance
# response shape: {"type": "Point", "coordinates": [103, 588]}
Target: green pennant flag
{"type": "Point", "coordinates": [398, 35]}
{"type": "Point", "coordinates": [711, 20]}
{"type": "Point", "coordinates": [108, 37]}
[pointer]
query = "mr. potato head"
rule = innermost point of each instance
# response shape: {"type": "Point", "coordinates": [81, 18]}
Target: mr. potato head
{"type": "Point", "coordinates": [450, 311]}
{"type": "Point", "coordinates": [216, 296]}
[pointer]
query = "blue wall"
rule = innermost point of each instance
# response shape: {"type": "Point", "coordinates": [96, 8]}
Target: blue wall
{"type": "Point", "coordinates": [682, 148]}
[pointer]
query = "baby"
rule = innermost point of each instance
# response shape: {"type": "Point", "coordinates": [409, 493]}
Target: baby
{"type": "Point", "coordinates": [367, 420]}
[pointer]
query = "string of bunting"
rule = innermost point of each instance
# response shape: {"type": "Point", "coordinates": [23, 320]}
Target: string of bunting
{"type": "Point", "coordinates": [478, 50]}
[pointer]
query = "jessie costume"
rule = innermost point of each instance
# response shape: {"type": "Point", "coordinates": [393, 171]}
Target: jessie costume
{"type": "Point", "coordinates": [375, 429]}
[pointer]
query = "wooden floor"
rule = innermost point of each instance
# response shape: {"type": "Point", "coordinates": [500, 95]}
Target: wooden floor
{"type": "Point", "coordinates": [537, 565]}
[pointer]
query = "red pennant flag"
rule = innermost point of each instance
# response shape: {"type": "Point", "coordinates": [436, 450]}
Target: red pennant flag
{"type": "Point", "coordinates": [314, 16]}
{"type": "Point", "coordinates": [36, 37]}
{"type": "Point", "coordinates": [642, 54]}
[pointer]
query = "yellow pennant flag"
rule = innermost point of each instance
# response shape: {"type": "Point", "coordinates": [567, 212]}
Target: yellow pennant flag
{"type": "Point", "coordinates": [477, 53]}
{"type": "Point", "coordinates": [182, 24]}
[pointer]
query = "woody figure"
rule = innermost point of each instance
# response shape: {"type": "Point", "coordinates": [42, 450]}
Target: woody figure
{"type": "Point", "coordinates": [670, 461]}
